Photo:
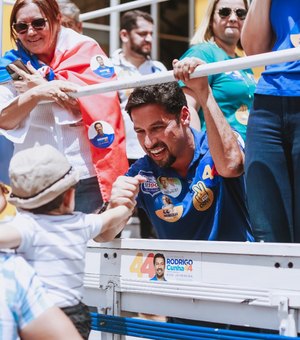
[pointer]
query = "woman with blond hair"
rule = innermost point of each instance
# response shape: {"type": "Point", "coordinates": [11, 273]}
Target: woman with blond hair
{"type": "Point", "coordinates": [217, 39]}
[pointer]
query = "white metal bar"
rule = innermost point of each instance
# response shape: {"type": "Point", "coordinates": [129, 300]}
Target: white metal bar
{"type": "Point", "coordinates": [98, 27]}
{"type": "Point", "coordinates": [216, 247]}
{"type": "Point", "coordinates": [236, 283]}
{"type": "Point", "coordinates": [155, 45]}
{"type": "Point", "coordinates": [191, 18]}
{"type": "Point", "coordinates": [119, 8]}
{"type": "Point", "coordinates": [201, 71]}
{"type": "Point", "coordinates": [114, 27]}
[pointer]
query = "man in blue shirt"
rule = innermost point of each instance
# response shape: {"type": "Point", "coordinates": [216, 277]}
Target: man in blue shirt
{"type": "Point", "coordinates": [205, 168]}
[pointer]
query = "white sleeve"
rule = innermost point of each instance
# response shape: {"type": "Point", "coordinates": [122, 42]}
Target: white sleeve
{"type": "Point", "coordinates": [27, 231]}
{"type": "Point", "coordinates": [8, 93]}
{"type": "Point", "coordinates": [160, 65]}
{"type": "Point", "coordinates": [240, 140]}
{"type": "Point", "coordinates": [95, 224]}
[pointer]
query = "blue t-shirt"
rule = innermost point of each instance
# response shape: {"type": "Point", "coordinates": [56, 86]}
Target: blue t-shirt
{"type": "Point", "coordinates": [103, 141]}
{"type": "Point", "coordinates": [202, 206]}
{"type": "Point", "coordinates": [105, 71]}
{"type": "Point", "coordinates": [154, 278]}
{"type": "Point", "coordinates": [283, 79]}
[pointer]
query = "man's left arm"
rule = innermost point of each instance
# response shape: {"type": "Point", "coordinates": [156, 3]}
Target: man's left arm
{"type": "Point", "coordinates": [223, 143]}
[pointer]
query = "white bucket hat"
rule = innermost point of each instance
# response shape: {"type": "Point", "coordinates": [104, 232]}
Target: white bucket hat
{"type": "Point", "coordinates": [38, 175]}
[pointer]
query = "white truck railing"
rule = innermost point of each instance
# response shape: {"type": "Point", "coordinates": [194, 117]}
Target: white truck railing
{"type": "Point", "coordinates": [244, 284]}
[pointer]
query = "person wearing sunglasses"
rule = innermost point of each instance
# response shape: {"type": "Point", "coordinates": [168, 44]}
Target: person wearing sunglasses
{"type": "Point", "coordinates": [217, 39]}
{"type": "Point", "coordinates": [38, 106]}
{"type": "Point", "coordinates": [272, 148]}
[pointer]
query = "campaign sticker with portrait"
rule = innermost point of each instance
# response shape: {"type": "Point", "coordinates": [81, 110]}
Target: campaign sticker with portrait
{"type": "Point", "coordinates": [101, 134]}
{"type": "Point", "coordinates": [102, 66]}
{"type": "Point", "coordinates": [161, 266]}
{"type": "Point", "coordinates": [167, 210]}
{"type": "Point", "coordinates": [169, 185]}
{"type": "Point", "coordinates": [242, 114]}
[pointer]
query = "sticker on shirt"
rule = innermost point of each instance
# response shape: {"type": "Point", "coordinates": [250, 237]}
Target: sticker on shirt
{"type": "Point", "coordinates": [203, 197]}
{"type": "Point", "coordinates": [149, 187]}
{"type": "Point", "coordinates": [295, 35]}
{"type": "Point", "coordinates": [101, 134]}
{"type": "Point", "coordinates": [235, 75]}
{"type": "Point", "coordinates": [242, 114]}
{"type": "Point", "coordinates": [102, 66]}
{"type": "Point", "coordinates": [169, 185]}
{"type": "Point", "coordinates": [168, 212]}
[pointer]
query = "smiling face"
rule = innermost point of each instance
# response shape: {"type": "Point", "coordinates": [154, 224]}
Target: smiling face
{"type": "Point", "coordinates": [100, 61]}
{"type": "Point", "coordinates": [227, 30]}
{"type": "Point", "coordinates": [99, 128]}
{"type": "Point", "coordinates": [40, 42]}
{"type": "Point", "coordinates": [159, 267]}
{"type": "Point", "coordinates": [164, 182]}
{"type": "Point", "coordinates": [162, 136]}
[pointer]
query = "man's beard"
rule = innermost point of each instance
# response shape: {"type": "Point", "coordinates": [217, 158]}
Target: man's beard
{"type": "Point", "coordinates": [160, 273]}
{"type": "Point", "coordinates": [165, 163]}
{"type": "Point", "coordinates": [139, 50]}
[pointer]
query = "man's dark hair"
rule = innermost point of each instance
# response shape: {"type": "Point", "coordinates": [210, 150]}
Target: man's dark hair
{"type": "Point", "coordinates": [129, 19]}
{"type": "Point", "coordinates": [168, 95]}
{"type": "Point", "coordinates": [97, 123]}
{"type": "Point", "coordinates": [159, 255]}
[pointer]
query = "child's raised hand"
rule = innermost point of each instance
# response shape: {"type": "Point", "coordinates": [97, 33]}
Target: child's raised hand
{"type": "Point", "coordinates": [124, 191]}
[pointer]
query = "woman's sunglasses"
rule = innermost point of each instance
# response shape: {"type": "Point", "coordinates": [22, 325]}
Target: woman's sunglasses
{"type": "Point", "coordinates": [225, 12]}
{"type": "Point", "coordinates": [37, 24]}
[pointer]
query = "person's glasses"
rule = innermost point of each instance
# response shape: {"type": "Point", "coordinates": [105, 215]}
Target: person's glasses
{"type": "Point", "coordinates": [37, 24]}
{"type": "Point", "coordinates": [225, 12]}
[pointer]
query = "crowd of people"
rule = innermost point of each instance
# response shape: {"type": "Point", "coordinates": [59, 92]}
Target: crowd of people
{"type": "Point", "coordinates": [181, 155]}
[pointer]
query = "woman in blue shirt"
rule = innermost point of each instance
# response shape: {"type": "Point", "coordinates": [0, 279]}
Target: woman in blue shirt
{"type": "Point", "coordinates": [273, 135]}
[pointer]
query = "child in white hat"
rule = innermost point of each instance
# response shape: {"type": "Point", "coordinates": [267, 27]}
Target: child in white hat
{"type": "Point", "coordinates": [49, 234]}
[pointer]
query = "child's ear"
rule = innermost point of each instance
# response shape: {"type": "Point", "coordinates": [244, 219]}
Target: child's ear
{"type": "Point", "coordinates": [69, 197]}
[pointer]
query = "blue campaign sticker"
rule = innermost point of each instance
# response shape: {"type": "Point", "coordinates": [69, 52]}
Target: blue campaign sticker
{"type": "Point", "coordinates": [150, 186]}
{"type": "Point", "coordinates": [102, 66]}
{"type": "Point", "coordinates": [101, 134]}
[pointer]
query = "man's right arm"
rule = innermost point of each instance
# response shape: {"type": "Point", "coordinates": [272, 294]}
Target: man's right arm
{"type": "Point", "coordinates": [223, 144]}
